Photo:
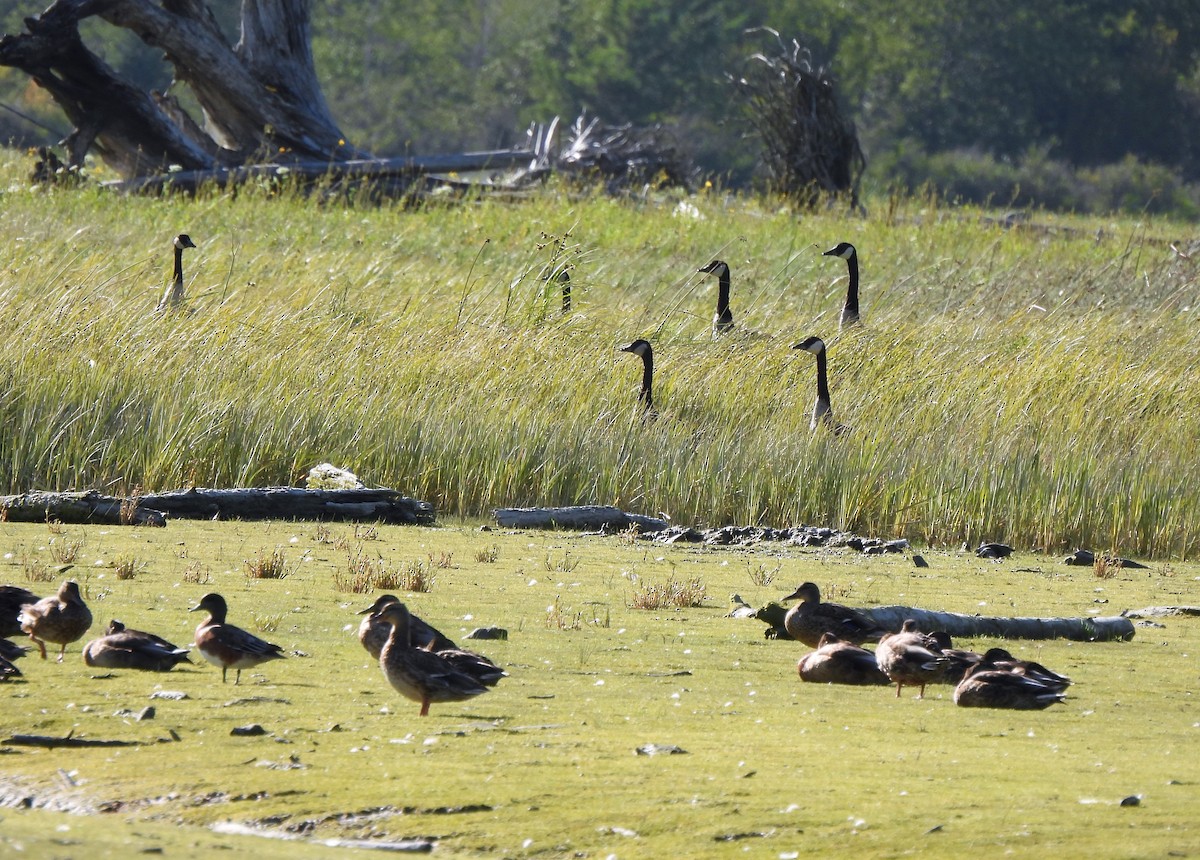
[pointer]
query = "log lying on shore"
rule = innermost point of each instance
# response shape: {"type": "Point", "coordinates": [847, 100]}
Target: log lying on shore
{"type": "Point", "coordinates": [972, 626]}
{"type": "Point", "coordinates": [250, 503]}
{"type": "Point", "coordinates": [578, 517]}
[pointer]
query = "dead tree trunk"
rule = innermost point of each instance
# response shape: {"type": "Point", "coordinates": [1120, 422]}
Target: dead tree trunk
{"type": "Point", "coordinates": [259, 97]}
{"type": "Point", "coordinates": [578, 517]}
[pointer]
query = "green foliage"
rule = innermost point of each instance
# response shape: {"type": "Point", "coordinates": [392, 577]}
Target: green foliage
{"type": "Point", "coordinates": [1030, 385]}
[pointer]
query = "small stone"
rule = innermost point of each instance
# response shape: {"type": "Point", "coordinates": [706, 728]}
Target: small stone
{"type": "Point", "coordinates": [919, 561]}
{"type": "Point", "coordinates": [252, 730]}
{"type": "Point", "coordinates": [660, 749]}
{"type": "Point", "coordinates": [488, 633]}
{"type": "Point", "coordinates": [146, 713]}
{"type": "Point", "coordinates": [1132, 800]}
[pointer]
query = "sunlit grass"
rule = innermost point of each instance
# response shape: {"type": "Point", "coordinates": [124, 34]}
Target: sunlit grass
{"type": "Point", "coordinates": [1026, 385]}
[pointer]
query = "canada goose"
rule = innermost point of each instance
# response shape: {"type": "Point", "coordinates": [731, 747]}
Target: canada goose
{"type": "Point", "coordinates": [123, 648]}
{"type": "Point", "coordinates": [417, 674]}
{"type": "Point", "coordinates": [643, 349]}
{"type": "Point", "coordinates": [373, 633]}
{"type": "Point", "coordinates": [908, 658]}
{"type": "Point", "coordinates": [810, 619]}
{"type": "Point", "coordinates": [61, 618]}
{"type": "Point", "coordinates": [838, 662]}
{"type": "Point", "coordinates": [227, 646]}
{"type": "Point", "coordinates": [723, 318]}
{"type": "Point", "coordinates": [173, 297]}
{"type": "Point", "coordinates": [847, 252]}
{"type": "Point", "coordinates": [822, 411]}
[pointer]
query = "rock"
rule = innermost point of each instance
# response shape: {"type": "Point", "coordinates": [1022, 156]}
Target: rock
{"type": "Point", "coordinates": [994, 551]}
{"type": "Point", "coordinates": [919, 561]}
{"type": "Point", "coordinates": [488, 633]}
{"type": "Point", "coordinates": [252, 730]}
{"type": "Point", "coordinates": [660, 749]}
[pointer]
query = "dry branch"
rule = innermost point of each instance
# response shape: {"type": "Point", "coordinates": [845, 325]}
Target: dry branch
{"type": "Point", "coordinates": [579, 518]}
{"type": "Point", "coordinates": [973, 626]}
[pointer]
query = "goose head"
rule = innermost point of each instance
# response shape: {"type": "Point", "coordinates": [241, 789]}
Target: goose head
{"type": "Point", "coordinates": [717, 267]}
{"type": "Point", "coordinates": [842, 249]}
{"type": "Point", "coordinates": [183, 240]}
{"type": "Point", "coordinates": [811, 344]}
{"type": "Point", "coordinates": [640, 348]}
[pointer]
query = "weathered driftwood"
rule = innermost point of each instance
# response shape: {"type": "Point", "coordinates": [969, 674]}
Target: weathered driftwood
{"type": "Point", "coordinates": [55, 743]}
{"type": "Point", "coordinates": [1161, 611]}
{"type": "Point", "coordinates": [292, 503]}
{"type": "Point", "coordinates": [578, 517]}
{"type": "Point", "coordinates": [252, 503]}
{"type": "Point", "coordinates": [971, 626]}
{"type": "Point", "coordinates": [77, 507]}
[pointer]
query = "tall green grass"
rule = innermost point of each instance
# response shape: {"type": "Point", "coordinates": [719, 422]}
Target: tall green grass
{"type": "Point", "coordinates": [1031, 385]}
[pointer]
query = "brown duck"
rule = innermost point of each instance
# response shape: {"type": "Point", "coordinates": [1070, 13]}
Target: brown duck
{"type": "Point", "coordinates": [12, 598]}
{"type": "Point", "coordinates": [228, 646]}
{"type": "Point", "coordinates": [810, 619]}
{"type": "Point", "coordinates": [982, 687]}
{"type": "Point", "coordinates": [62, 618]}
{"type": "Point", "coordinates": [838, 662]}
{"type": "Point", "coordinates": [909, 657]}
{"type": "Point", "coordinates": [123, 648]}
{"type": "Point", "coordinates": [417, 674]}
{"type": "Point", "coordinates": [373, 633]}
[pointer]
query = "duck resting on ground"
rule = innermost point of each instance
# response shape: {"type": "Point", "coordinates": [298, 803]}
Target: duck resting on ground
{"type": "Point", "coordinates": [418, 674]}
{"type": "Point", "coordinates": [123, 648]}
{"type": "Point", "coordinates": [984, 687]}
{"type": "Point", "coordinates": [61, 618]}
{"type": "Point", "coordinates": [838, 662]}
{"type": "Point", "coordinates": [228, 646]}
{"type": "Point", "coordinates": [810, 619]}
{"type": "Point", "coordinates": [12, 599]}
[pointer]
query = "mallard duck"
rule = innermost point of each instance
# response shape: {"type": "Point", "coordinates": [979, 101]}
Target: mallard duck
{"type": "Point", "coordinates": [373, 633]}
{"type": "Point", "coordinates": [998, 658]}
{"type": "Point", "coordinates": [228, 646]}
{"type": "Point", "coordinates": [642, 349]}
{"type": "Point", "coordinates": [958, 660]}
{"type": "Point", "coordinates": [62, 619]}
{"type": "Point", "coordinates": [838, 662]}
{"type": "Point", "coordinates": [173, 297]}
{"type": "Point", "coordinates": [907, 658]}
{"type": "Point", "coordinates": [848, 253]}
{"type": "Point", "coordinates": [417, 674]}
{"type": "Point", "coordinates": [122, 648]}
{"type": "Point", "coordinates": [723, 318]}
{"type": "Point", "coordinates": [982, 687]}
{"type": "Point", "coordinates": [12, 598]}
{"type": "Point", "coordinates": [809, 619]}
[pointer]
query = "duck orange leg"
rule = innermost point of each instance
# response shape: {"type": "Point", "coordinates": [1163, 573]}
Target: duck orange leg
{"type": "Point", "coordinates": [41, 645]}
{"type": "Point", "coordinates": [424, 707]}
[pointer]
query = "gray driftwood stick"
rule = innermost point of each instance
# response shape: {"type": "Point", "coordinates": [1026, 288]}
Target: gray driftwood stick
{"type": "Point", "coordinates": [578, 517]}
{"type": "Point", "coordinates": [971, 626]}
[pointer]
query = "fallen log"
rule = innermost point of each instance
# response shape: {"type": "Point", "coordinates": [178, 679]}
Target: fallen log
{"type": "Point", "coordinates": [578, 518]}
{"type": "Point", "coordinates": [973, 626]}
{"type": "Point", "coordinates": [77, 507]}
{"type": "Point", "coordinates": [49, 742]}
{"type": "Point", "coordinates": [1161, 611]}
{"type": "Point", "coordinates": [252, 503]}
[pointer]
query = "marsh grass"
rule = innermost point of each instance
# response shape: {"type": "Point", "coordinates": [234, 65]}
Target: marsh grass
{"type": "Point", "coordinates": [127, 567]}
{"type": "Point", "coordinates": [544, 764]}
{"type": "Point", "coordinates": [1030, 385]}
{"type": "Point", "coordinates": [671, 594]}
{"type": "Point", "coordinates": [267, 565]}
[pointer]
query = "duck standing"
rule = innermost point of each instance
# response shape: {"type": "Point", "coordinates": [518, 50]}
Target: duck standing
{"type": "Point", "coordinates": [62, 618]}
{"type": "Point", "coordinates": [909, 657]}
{"type": "Point", "coordinates": [228, 646]}
{"type": "Point", "coordinates": [417, 674]}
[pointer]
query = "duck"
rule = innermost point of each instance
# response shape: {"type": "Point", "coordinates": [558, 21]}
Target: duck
{"type": "Point", "coordinates": [417, 674]}
{"type": "Point", "coordinates": [958, 660]}
{"type": "Point", "coordinates": [723, 318]}
{"type": "Point", "coordinates": [373, 633]}
{"type": "Point", "coordinates": [982, 687]}
{"type": "Point", "coordinates": [123, 648]}
{"type": "Point", "coordinates": [1002, 660]}
{"type": "Point", "coordinates": [838, 662]}
{"type": "Point", "coordinates": [809, 619]}
{"type": "Point", "coordinates": [822, 415]}
{"type": "Point", "coordinates": [907, 658]}
{"type": "Point", "coordinates": [12, 598]}
{"type": "Point", "coordinates": [228, 646]}
{"type": "Point", "coordinates": [173, 297]}
{"type": "Point", "coordinates": [643, 350]}
{"type": "Point", "coordinates": [850, 314]}
{"type": "Point", "coordinates": [62, 618]}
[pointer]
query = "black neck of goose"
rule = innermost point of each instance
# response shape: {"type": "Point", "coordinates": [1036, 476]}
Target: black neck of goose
{"type": "Point", "coordinates": [723, 314]}
{"type": "Point", "coordinates": [822, 380]}
{"type": "Point", "coordinates": [646, 397]}
{"type": "Point", "coordinates": [852, 290]}
{"type": "Point", "coordinates": [178, 279]}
